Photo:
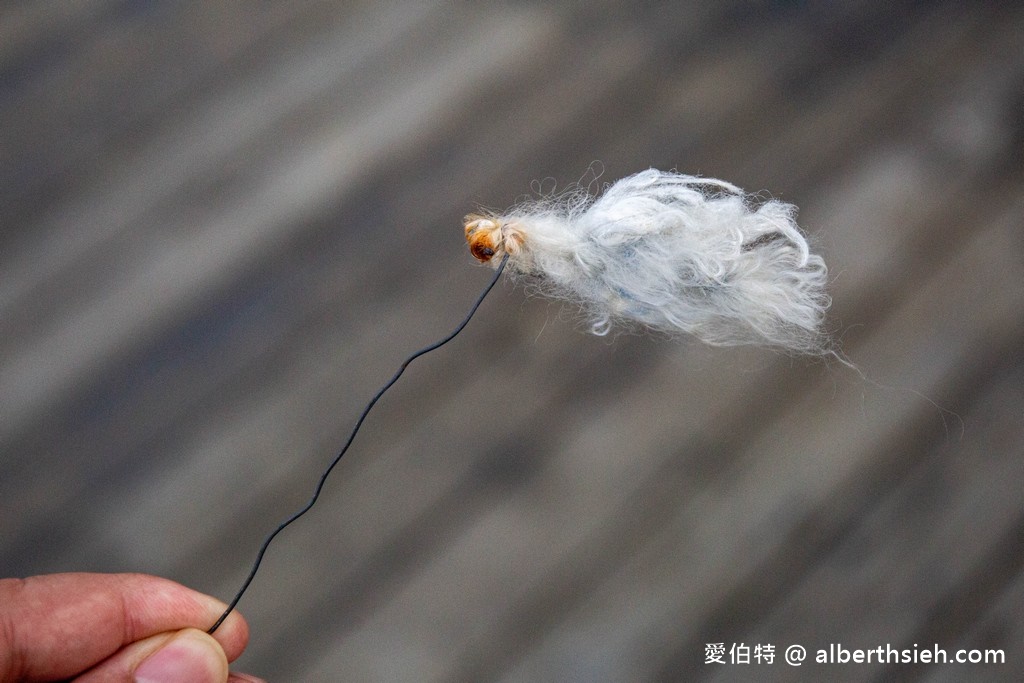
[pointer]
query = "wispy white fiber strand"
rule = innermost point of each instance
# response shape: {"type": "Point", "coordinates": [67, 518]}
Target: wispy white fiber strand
{"type": "Point", "coordinates": [672, 252]}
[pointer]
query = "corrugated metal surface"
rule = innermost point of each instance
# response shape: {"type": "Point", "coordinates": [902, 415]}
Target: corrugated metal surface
{"type": "Point", "coordinates": [225, 224]}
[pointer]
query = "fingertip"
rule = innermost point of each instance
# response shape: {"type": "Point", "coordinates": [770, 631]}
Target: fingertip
{"type": "Point", "coordinates": [233, 635]}
{"type": "Point", "coordinates": [188, 655]}
{"type": "Point", "coordinates": [244, 678]}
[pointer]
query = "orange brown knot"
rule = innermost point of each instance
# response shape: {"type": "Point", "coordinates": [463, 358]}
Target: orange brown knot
{"type": "Point", "coordinates": [489, 236]}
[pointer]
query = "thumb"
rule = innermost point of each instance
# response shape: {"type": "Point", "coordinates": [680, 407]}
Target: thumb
{"type": "Point", "coordinates": [189, 655]}
{"type": "Point", "coordinates": [186, 656]}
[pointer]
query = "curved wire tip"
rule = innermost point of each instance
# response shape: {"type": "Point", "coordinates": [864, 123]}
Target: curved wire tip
{"type": "Point", "coordinates": [369, 406]}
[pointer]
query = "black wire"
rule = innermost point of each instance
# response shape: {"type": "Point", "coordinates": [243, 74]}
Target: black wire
{"type": "Point", "coordinates": [359, 423]}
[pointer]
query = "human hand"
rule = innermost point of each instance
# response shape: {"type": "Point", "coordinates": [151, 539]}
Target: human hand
{"type": "Point", "coordinates": [117, 628]}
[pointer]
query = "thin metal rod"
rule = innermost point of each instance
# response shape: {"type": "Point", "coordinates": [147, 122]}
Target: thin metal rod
{"type": "Point", "coordinates": [352, 436]}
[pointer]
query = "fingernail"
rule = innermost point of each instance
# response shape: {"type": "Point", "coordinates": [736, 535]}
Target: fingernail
{"type": "Point", "coordinates": [244, 678]}
{"type": "Point", "coordinates": [184, 658]}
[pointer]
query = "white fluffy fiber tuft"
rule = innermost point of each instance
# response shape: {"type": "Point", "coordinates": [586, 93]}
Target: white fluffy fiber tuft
{"type": "Point", "coordinates": [676, 253]}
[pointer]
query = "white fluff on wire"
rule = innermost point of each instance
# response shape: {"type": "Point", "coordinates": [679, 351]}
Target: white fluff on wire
{"type": "Point", "coordinates": [672, 252]}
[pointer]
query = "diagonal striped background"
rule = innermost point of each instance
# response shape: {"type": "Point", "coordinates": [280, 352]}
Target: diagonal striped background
{"type": "Point", "coordinates": [223, 225]}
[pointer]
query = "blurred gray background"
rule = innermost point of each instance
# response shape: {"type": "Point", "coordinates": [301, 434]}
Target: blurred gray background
{"type": "Point", "coordinates": [224, 224]}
